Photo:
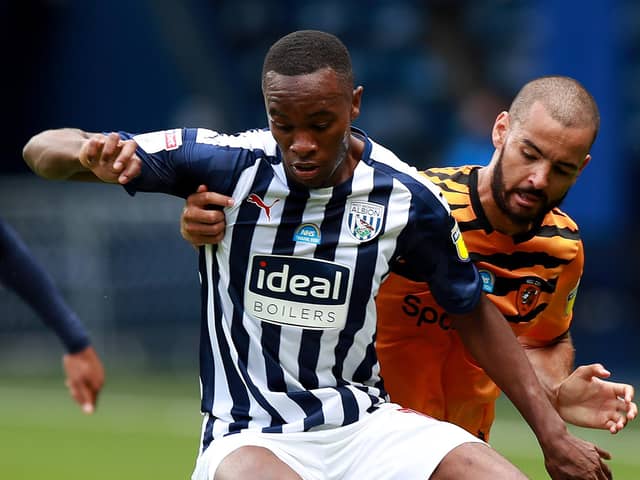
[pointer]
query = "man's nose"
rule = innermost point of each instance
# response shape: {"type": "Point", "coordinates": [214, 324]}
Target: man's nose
{"type": "Point", "coordinates": [539, 175]}
{"type": "Point", "coordinates": [303, 144]}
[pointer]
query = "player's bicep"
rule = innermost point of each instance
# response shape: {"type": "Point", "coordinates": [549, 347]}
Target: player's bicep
{"type": "Point", "coordinates": [440, 254]}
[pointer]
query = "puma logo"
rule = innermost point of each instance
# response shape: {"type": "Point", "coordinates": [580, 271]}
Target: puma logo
{"type": "Point", "coordinates": [253, 198]}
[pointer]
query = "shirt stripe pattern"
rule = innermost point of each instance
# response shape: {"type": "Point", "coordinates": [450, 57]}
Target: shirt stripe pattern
{"type": "Point", "coordinates": [533, 276]}
{"type": "Point", "coordinates": [289, 320]}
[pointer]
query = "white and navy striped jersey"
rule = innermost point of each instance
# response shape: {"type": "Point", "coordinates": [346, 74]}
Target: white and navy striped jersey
{"type": "Point", "coordinates": [288, 313]}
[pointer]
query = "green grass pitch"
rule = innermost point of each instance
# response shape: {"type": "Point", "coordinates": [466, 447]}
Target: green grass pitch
{"type": "Point", "coordinates": [149, 429]}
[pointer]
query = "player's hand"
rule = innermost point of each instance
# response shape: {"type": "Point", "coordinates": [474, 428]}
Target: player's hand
{"type": "Point", "coordinates": [85, 377]}
{"type": "Point", "coordinates": [200, 225]}
{"type": "Point", "coordinates": [571, 458]}
{"type": "Point", "coordinates": [110, 158]}
{"type": "Point", "coordinates": [585, 400]}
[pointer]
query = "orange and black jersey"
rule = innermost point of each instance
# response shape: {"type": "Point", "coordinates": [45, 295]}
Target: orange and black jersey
{"type": "Point", "coordinates": [532, 279]}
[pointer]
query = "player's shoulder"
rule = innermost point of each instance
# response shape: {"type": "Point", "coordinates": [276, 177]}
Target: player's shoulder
{"type": "Point", "coordinates": [388, 163]}
{"type": "Point", "coordinates": [450, 175]}
{"type": "Point", "coordinates": [177, 138]}
{"type": "Point", "coordinates": [562, 222]}
{"type": "Point", "coordinates": [557, 235]}
{"type": "Point", "coordinates": [455, 183]}
{"type": "Point", "coordinates": [253, 139]}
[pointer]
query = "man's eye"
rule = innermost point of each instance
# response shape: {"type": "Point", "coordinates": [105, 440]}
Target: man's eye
{"type": "Point", "coordinates": [282, 127]}
{"type": "Point", "coordinates": [562, 171]}
{"type": "Point", "coordinates": [321, 126]}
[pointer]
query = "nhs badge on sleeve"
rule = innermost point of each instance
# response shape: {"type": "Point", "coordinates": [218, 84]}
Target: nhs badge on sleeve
{"type": "Point", "coordinates": [307, 233]}
{"type": "Point", "coordinates": [301, 292]}
{"type": "Point", "coordinates": [365, 219]}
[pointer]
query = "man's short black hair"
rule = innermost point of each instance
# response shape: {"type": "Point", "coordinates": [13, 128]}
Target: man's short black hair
{"type": "Point", "coordinates": [307, 51]}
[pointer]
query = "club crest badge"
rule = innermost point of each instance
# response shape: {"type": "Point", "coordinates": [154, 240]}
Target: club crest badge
{"type": "Point", "coordinates": [528, 296]}
{"type": "Point", "coordinates": [365, 220]}
{"type": "Point", "coordinates": [488, 280]}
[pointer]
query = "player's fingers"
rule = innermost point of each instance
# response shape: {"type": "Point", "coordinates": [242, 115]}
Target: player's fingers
{"type": "Point", "coordinates": [195, 198]}
{"type": "Point", "coordinates": [623, 392]}
{"type": "Point", "coordinates": [77, 392]}
{"type": "Point", "coordinates": [215, 239]}
{"type": "Point", "coordinates": [125, 153]}
{"type": "Point", "coordinates": [604, 454]}
{"type": "Point", "coordinates": [621, 423]}
{"type": "Point", "coordinates": [91, 151]}
{"type": "Point", "coordinates": [205, 228]}
{"type": "Point", "coordinates": [72, 391]}
{"type": "Point", "coordinates": [86, 398]}
{"type": "Point", "coordinates": [95, 146]}
{"type": "Point", "coordinates": [189, 234]}
{"type": "Point", "coordinates": [601, 371]}
{"type": "Point", "coordinates": [110, 149]}
{"type": "Point", "coordinates": [629, 393]}
{"type": "Point", "coordinates": [593, 370]}
{"type": "Point", "coordinates": [215, 221]}
{"type": "Point", "coordinates": [197, 240]}
{"type": "Point", "coordinates": [132, 170]}
{"type": "Point", "coordinates": [132, 165]}
{"type": "Point", "coordinates": [93, 392]}
{"type": "Point", "coordinates": [194, 214]}
{"type": "Point", "coordinates": [185, 232]}
{"type": "Point", "coordinates": [614, 425]}
{"type": "Point", "coordinates": [205, 198]}
{"type": "Point", "coordinates": [606, 470]}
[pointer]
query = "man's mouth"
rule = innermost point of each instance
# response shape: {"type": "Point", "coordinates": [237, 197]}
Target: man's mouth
{"type": "Point", "coordinates": [304, 170]}
{"type": "Point", "coordinates": [528, 199]}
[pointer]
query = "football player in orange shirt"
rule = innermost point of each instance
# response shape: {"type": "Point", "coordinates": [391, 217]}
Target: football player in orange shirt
{"type": "Point", "coordinates": [528, 253]}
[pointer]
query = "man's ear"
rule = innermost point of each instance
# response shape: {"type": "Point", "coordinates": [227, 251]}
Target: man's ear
{"type": "Point", "coordinates": [500, 129]}
{"type": "Point", "coordinates": [587, 159]}
{"type": "Point", "coordinates": [355, 102]}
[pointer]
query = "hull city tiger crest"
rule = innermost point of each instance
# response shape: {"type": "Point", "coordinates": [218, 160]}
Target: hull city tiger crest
{"type": "Point", "coordinates": [365, 220]}
{"type": "Point", "coordinates": [528, 296]}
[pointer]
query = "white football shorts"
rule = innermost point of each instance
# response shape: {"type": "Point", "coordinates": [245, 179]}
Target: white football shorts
{"type": "Point", "coordinates": [391, 443]}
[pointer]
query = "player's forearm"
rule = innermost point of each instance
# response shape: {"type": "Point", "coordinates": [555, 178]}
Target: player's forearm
{"type": "Point", "coordinates": [491, 341]}
{"type": "Point", "coordinates": [20, 271]}
{"type": "Point", "coordinates": [54, 154]}
{"type": "Point", "coordinates": [552, 363]}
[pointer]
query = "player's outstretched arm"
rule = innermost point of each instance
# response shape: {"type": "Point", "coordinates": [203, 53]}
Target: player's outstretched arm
{"type": "Point", "coordinates": [72, 154]}
{"type": "Point", "coordinates": [200, 225]}
{"type": "Point", "coordinates": [586, 400]}
{"type": "Point", "coordinates": [580, 396]}
{"type": "Point", "coordinates": [21, 272]}
{"type": "Point", "coordinates": [491, 341]}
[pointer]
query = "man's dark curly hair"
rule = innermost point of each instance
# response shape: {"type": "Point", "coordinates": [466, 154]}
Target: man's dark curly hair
{"type": "Point", "coordinates": [306, 51]}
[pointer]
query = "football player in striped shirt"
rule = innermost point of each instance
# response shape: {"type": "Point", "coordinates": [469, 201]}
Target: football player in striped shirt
{"type": "Point", "coordinates": [289, 374]}
{"type": "Point", "coordinates": [22, 273]}
{"type": "Point", "coordinates": [530, 259]}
